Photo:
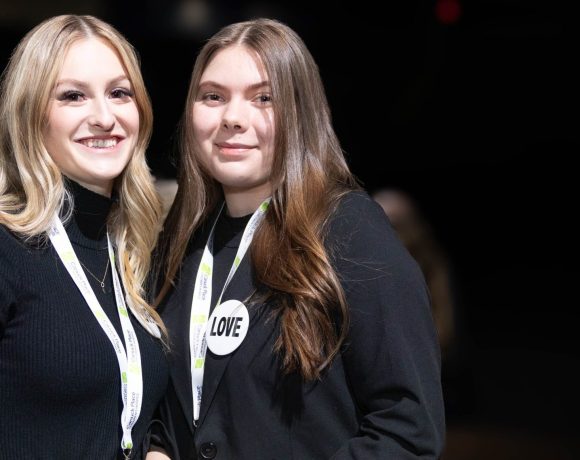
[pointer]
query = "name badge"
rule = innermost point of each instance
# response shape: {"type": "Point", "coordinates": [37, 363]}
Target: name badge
{"type": "Point", "coordinates": [227, 327]}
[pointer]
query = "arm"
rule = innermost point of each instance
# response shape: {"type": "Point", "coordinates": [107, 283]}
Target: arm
{"type": "Point", "coordinates": [391, 355]}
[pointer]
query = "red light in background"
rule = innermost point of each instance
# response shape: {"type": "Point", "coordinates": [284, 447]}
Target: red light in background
{"type": "Point", "coordinates": [448, 11]}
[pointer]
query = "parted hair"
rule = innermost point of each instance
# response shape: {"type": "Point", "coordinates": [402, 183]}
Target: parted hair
{"type": "Point", "coordinates": [32, 187]}
{"type": "Point", "coordinates": [309, 175]}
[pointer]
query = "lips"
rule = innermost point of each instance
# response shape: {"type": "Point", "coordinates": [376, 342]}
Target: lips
{"type": "Point", "coordinates": [227, 145]}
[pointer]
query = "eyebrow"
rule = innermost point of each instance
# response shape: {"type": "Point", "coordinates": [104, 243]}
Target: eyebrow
{"type": "Point", "coordinates": [260, 84]}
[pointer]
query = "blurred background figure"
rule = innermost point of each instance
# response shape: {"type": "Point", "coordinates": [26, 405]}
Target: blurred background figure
{"type": "Point", "coordinates": [166, 187]}
{"type": "Point", "coordinates": [418, 237]}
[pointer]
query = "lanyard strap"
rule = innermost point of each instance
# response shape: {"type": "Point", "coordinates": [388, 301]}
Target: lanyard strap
{"type": "Point", "coordinates": [129, 358]}
{"type": "Point", "coordinates": [200, 303]}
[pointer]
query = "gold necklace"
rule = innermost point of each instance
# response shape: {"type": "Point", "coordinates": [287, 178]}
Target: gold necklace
{"type": "Point", "coordinates": [101, 282]}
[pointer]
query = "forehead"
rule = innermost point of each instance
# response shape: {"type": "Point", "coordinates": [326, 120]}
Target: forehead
{"type": "Point", "coordinates": [235, 64]}
{"type": "Point", "coordinates": [90, 58]}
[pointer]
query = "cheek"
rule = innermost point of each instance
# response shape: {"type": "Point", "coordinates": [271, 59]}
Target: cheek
{"type": "Point", "coordinates": [204, 125]}
{"type": "Point", "coordinates": [266, 133]}
{"type": "Point", "coordinates": [201, 128]}
{"type": "Point", "coordinates": [131, 119]}
{"type": "Point", "coordinates": [199, 132]}
{"type": "Point", "coordinates": [57, 126]}
{"type": "Point", "coordinates": [54, 136]}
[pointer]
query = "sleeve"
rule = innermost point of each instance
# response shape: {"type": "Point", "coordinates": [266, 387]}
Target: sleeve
{"type": "Point", "coordinates": [391, 355]}
{"type": "Point", "coordinates": [159, 436]}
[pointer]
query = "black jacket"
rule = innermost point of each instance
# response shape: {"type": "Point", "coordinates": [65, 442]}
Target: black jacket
{"type": "Point", "coordinates": [380, 399]}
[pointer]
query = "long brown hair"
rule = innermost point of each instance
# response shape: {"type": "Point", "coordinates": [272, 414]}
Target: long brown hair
{"type": "Point", "coordinates": [309, 175]}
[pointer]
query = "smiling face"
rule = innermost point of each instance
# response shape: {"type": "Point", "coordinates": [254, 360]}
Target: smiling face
{"type": "Point", "coordinates": [93, 120]}
{"type": "Point", "coordinates": [233, 124]}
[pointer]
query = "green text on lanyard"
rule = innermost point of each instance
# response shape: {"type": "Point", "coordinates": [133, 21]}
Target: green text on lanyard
{"type": "Point", "coordinates": [200, 303]}
{"type": "Point", "coordinates": [129, 359]}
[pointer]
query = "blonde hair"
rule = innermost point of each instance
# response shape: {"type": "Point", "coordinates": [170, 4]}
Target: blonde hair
{"type": "Point", "coordinates": [32, 187]}
{"type": "Point", "coordinates": [309, 176]}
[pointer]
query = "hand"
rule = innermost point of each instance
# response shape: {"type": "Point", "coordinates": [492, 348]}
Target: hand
{"type": "Point", "coordinates": [157, 456]}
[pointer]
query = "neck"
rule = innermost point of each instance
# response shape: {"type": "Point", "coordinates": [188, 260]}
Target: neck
{"type": "Point", "coordinates": [91, 210]}
{"type": "Point", "coordinates": [243, 202]}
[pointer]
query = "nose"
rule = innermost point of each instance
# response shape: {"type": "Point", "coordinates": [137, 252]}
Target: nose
{"type": "Point", "coordinates": [102, 115]}
{"type": "Point", "coordinates": [235, 117]}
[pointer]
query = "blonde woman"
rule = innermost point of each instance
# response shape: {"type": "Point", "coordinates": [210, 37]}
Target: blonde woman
{"type": "Point", "coordinates": [301, 327]}
{"type": "Point", "coordinates": [82, 361]}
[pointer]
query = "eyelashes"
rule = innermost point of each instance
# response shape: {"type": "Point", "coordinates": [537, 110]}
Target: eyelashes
{"type": "Point", "coordinates": [264, 98]}
{"type": "Point", "coordinates": [121, 93]}
{"type": "Point", "coordinates": [71, 95]}
{"type": "Point", "coordinates": [79, 96]}
{"type": "Point", "coordinates": [213, 97]}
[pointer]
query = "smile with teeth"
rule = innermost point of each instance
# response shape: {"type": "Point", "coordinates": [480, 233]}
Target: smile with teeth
{"type": "Point", "coordinates": [100, 143]}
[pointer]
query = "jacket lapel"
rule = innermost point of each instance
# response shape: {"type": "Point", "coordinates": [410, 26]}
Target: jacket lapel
{"type": "Point", "coordinates": [240, 288]}
{"type": "Point", "coordinates": [177, 316]}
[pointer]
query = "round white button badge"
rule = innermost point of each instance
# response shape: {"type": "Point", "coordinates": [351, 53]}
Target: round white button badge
{"type": "Point", "coordinates": [227, 327]}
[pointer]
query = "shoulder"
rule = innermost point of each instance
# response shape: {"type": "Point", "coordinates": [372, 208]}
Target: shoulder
{"type": "Point", "coordinates": [13, 244]}
{"type": "Point", "coordinates": [362, 241]}
{"type": "Point", "coordinates": [9, 242]}
{"type": "Point", "coordinates": [18, 254]}
{"type": "Point", "coordinates": [358, 219]}
{"type": "Point", "coordinates": [358, 203]}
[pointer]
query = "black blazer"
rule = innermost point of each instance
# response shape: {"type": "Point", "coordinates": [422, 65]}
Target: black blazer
{"type": "Point", "coordinates": [380, 399]}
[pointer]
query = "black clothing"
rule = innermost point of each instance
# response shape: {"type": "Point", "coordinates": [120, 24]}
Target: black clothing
{"type": "Point", "coordinates": [60, 389]}
{"type": "Point", "coordinates": [380, 399]}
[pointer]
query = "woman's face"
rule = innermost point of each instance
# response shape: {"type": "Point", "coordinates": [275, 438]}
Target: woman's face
{"type": "Point", "coordinates": [93, 120]}
{"type": "Point", "coordinates": [233, 123]}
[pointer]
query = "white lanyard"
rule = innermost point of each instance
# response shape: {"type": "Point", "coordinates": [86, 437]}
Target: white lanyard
{"type": "Point", "coordinates": [129, 359]}
{"type": "Point", "coordinates": [200, 303]}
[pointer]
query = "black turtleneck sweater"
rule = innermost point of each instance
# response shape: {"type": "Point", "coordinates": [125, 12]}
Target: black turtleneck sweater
{"type": "Point", "coordinates": [60, 392]}
{"type": "Point", "coordinates": [227, 238]}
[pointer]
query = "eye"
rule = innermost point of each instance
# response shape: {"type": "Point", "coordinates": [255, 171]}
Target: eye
{"type": "Point", "coordinates": [121, 93]}
{"type": "Point", "coordinates": [211, 97]}
{"type": "Point", "coordinates": [71, 96]}
{"type": "Point", "coordinates": [264, 99]}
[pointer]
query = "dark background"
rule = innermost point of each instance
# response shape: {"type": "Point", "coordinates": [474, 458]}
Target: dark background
{"type": "Point", "coordinates": [477, 117]}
